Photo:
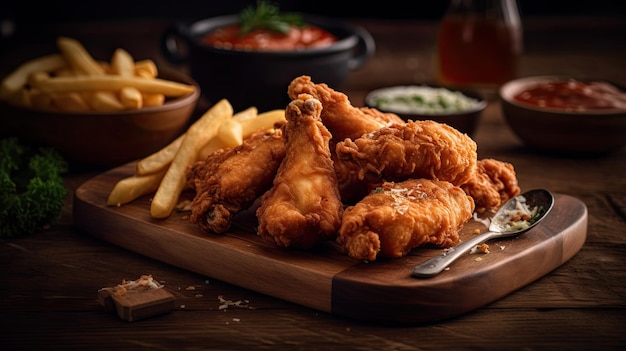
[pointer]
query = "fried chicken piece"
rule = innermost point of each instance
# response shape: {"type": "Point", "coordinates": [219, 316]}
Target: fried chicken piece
{"type": "Point", "coordinates": [493, 184]}
{"type": "Point", "coordinates": [303, 208]}
{"type": "Point", "coordinates": [342, 119]}
{"type": "Point", "coordinates": [416, 149]}
{"type": "Point", "coordinates": [397, 217]}
{"type": "Point", "coordinates": [231, 179]}
{"type": "Point", "coordinates": [351, 188]}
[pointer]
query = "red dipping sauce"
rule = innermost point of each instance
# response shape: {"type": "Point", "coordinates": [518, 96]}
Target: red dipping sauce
{"type": "Point", "coordinates": [573, 95]}
{"type": "Point", "coordinates": [298, 38]}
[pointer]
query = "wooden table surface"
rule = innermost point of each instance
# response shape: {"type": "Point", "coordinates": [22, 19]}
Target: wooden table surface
{"type": "Point", "coordinates": [49, 280]}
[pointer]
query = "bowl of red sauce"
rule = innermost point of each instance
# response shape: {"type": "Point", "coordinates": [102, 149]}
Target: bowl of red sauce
{"type": "Point", "coordinates": [253, 67]}
{"type": "Point", "coordinates": [579, 116]}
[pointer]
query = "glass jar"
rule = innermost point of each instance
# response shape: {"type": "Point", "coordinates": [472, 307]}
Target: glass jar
{"type": "Point", "coordinates": [479, 43]}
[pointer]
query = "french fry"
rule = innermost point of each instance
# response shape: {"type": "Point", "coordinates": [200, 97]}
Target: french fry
{"type": "Point", "coordinates": [64, 72]}
{"type": "Point", "coordinates": [159, 160]}
{"type": "Point", "coordinates": [122, 63]}
{"type": "Point", "coordinates": [250, 123]}
{"type": "Point", "coordinates": [230, 133]}
{"type": "Point", "coordinates": [262, 121]}
{"type": "Point", "coordinates": [71, 101]}
{"type": "Point", "coordinates": [131, 98]}
{"type": "Point", "coordinates": [35, 97]}
{"type": "Point", "coordinates": [120, 84]}
{"type": "Point", "coordinates": [212, 146]}
{"type": "Point", "coordinates": [105, 101]}
{"type": "Point", "coordinates": [40, 100]}
{"type": "Point", "coordinates": [38, 76]}
{"type": "Point", "coordinates": [110, 82]}
{"type": "Point", "coordinates": [197, 135]}
{"type": "Point", "coordinates": [250, 112]}
{"type": "Point", "coordinates": [17, 79]}
{"type": "Point", "coordinates": [146, 69]}
{"type": "Point", "coordinates": [133, 187]}
{"type": "Point", "coordinates": [82, 62]}
{"type": "Point", "coordinates": [78, 57]}
{"type": "Point", "coordinates": [152, 99]}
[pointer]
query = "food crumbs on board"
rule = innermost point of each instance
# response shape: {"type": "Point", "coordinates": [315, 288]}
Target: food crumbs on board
{"type": "Point", "coordinates": [478, 259]}
{"type": "Point", "coordinates": [183, 206]}
{"type": "Point", "coordinates": [482, 248]}
{"type": "Point", "coordinates": [224, 304]}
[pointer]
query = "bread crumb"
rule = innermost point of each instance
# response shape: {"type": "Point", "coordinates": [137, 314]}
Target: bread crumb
{"type": "Point", "coordinates": [482, 248]}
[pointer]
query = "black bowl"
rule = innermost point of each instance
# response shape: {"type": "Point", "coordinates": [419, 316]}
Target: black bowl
{"type": "Point", "coordinates": [261, 78]}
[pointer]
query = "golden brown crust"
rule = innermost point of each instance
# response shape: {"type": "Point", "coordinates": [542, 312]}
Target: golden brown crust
{"type": "Point", "coordinates": [398, 217]}
{"type": "Point", "coordinates": [230, 180]}
{"type": "Point", "coordinates": [493, 184]}
{"type": "Point", "coordinates": [416, 149]}
{"type": "Point", "coordinates": [303, 208]}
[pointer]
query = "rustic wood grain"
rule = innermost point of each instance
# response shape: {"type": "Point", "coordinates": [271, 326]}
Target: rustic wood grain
{"type": "Point", "coordinates": [325, 279]}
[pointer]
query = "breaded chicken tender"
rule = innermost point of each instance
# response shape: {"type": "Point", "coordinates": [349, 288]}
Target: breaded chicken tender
{"type": "Point", "coordinates": [397, 217]}
{"type": "Point", "coordinates": [303, 207]}
{"type": "Point", "coordinates": [416, 149]}
{"type": "Point", "coordinates": [231, 179]}
{"type": "Point", "coordinates": [493, 184]}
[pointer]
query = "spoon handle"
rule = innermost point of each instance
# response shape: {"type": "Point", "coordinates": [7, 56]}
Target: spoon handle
{"type": "Point", "coordinates": [435, 265]}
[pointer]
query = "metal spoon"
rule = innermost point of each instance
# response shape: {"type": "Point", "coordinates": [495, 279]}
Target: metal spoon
{"type": "Point", "coordinates": [500, 227]}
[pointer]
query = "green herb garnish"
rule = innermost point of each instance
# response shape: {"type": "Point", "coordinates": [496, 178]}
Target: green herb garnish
{"type": "Point", "coordinates": [31, 187]}
{"type": "Point", "coordinates": [267, 16]}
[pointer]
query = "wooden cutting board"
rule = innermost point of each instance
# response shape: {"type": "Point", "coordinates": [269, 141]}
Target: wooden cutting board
{"type": "Point", "coordinates": [382, 291]}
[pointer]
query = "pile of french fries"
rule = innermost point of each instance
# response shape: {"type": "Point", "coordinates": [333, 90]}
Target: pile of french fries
{"type": "Point", "coordinates": [164, 172]}
{"type": "Point", "coordinates": [73, 80]}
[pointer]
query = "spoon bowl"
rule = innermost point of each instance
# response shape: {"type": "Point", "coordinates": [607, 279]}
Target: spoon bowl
{"type": "Point", "coordinates": [534, 204]}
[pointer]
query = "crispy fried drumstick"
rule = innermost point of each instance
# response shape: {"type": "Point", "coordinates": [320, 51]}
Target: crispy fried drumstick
{"type": "Point", "coordinates": [231, 179]}
{"type": "Point", "coordinates": [338, 115]}
{"type": "Point", "coordinates": [303, 208]}
{"type": "Point", "coordinates": [397, 217]}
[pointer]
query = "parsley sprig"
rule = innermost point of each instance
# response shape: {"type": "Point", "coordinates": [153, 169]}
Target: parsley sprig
{"type": "Point", "coordinates": [267, 16]}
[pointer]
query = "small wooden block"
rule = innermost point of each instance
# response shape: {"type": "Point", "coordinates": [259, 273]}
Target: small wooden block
{"type": "Point", "coordinates": [105, 300]}
{"type": "Point", "coordinates": [136, 305]}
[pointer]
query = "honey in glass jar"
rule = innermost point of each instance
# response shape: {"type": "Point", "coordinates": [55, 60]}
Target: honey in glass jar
{"type": "Point", "coordinates": [479, 43]}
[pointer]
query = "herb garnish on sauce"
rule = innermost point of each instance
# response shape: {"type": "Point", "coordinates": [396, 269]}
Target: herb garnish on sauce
{"type": "Point", "coordinates": [267, 16]}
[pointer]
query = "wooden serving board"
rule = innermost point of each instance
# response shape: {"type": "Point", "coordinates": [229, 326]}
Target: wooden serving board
{"type": "Point", "coordinates": [382, 291]}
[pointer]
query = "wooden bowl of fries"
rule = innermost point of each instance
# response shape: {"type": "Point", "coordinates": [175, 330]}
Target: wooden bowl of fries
{"type": "Point", "coordinates": [85, 115]}
{"type": "Point", "coordinates": [102, 138]}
